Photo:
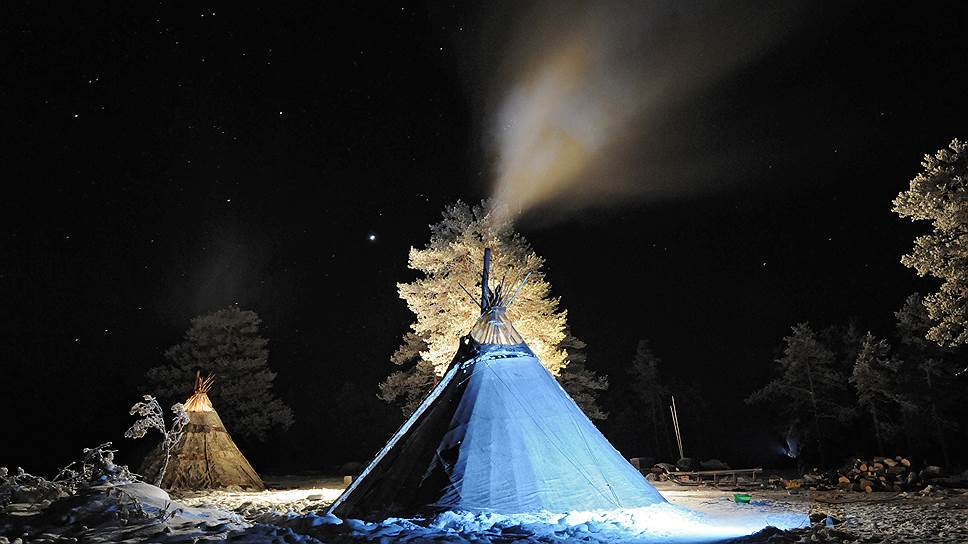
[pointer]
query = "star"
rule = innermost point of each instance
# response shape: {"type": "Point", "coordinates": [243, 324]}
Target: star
{"type": "Point", "coordinates": [371, 237]}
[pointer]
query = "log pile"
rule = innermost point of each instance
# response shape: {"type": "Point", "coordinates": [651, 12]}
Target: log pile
{"type": "Point", "coordinates": [877, 474]}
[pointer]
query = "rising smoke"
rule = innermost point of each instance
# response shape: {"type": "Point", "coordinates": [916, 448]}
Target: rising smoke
{"type": "Point", "coordinates": [582, 114]}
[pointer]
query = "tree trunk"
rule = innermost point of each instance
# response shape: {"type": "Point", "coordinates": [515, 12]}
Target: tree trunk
{"type": "Point", "coordinates": [877, 431]}
{"type": "Point", "coordinates": [940, 433]}
{"type": "Point", "coordinates": [937, 421]}
{"type": "Point", "coordinates": [816, 417]}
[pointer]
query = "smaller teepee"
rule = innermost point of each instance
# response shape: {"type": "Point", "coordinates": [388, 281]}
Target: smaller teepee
{"type": "Point", "coordinates": [206, 457]}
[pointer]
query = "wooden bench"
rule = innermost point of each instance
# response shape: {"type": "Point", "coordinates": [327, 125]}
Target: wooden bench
{"type": "Point", "coordinates": [697, 477]}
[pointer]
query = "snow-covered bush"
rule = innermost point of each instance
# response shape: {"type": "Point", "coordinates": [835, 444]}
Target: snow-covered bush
{"type": "Point", "coordinates": [96, 467]}
{"type": "Point", "coordinates": [153, 417]}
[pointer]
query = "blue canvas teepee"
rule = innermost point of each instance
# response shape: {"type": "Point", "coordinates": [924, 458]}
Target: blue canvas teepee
{"type": "Point", "coordinates": [496, 434]}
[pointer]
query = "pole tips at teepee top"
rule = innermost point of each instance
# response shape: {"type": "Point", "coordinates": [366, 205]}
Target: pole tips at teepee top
{"type": "Point", "coordinates": [203, 385]}
{"type": "Point", "coordinates": [199, 401]}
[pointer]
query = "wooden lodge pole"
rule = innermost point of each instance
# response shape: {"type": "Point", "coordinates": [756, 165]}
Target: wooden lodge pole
{"type": "Point", "coordinates": [484, 279]}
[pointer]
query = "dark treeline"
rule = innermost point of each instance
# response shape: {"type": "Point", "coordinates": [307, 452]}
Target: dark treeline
{"type": "Point", "coordinates": [836, 392]}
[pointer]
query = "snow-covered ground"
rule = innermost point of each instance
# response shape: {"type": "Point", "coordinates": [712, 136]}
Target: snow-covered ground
{"type": "Point", "coordinates": [295, 514]}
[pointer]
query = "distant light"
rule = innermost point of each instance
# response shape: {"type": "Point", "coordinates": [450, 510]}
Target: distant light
{"type": "Point", "coordinates": [371, 237]}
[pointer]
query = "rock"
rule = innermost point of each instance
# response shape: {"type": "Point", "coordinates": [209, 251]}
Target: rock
{"type": "Point", "coordinates": [666, 467]}
{"type": "Point", "coordinates": [930, 471]}
{"type": "Point", "coordinates": [642, 463]}
{"type": "Point", "coordinates": [686, 464]}
{"type": "Point", "coordinates": [843, 481]}
{"type": "Point", "coordinates": [713, 464]}
{"type": "Point", "coordinates": [958, 481]}
{"type": "Point", "coordinates": [897, 471]}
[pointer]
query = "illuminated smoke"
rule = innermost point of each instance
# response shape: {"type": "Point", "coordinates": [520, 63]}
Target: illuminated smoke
{"type": "Point", "coordinates": [577, 119]}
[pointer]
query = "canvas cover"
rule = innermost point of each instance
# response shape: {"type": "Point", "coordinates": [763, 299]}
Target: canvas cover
{"type": "Point", "coordinates": [497, 434]}
{"type": "Point", "coordinates": [206, 457]}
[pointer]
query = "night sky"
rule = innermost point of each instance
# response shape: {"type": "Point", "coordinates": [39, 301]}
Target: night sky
{"type": "Point", "coordinates": [163, 161]}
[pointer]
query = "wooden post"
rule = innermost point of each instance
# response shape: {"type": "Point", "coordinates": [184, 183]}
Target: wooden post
{"type": "Point", "coordinates": [484, 279]}
{"type": "Point", "coordinates": [675, 424]}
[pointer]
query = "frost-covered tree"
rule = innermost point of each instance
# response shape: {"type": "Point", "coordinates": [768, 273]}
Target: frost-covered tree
{"type": "Point", "coordinates": [153, 417]}
{"type": "Point", "coordinates": [450, 263]}
{"type": "Point", "coordinates": [226, 343]}
{"type": "Point", "coordinates": [582, 384]}
{"type": "Point", "coordinates": [407, 387]}
{"type": "Point", "coordinates": [875, 378]}
{"type": "Point", "coordinates": [939, 194]}
{"type": "Point", "coordinates": [810, 386]}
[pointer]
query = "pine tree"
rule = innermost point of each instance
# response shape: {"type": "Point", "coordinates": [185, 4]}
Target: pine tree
{"type": "Point", "coordinates": [651, 399]}
{"type": "Point", "coordinates": [226, 343]}
{"type": "Point", "coordinates": [939, 194]}
{"type": "Point", "coordinates": [810, 386]}
{"type": "Point", "coordinates": [450, 264]}
{"type": "Point", "coordinates": [875, 378]}
{"type": "Point", "coordinates": [929, 373]}
{"type": "Point", "coordinates": [582, 384]}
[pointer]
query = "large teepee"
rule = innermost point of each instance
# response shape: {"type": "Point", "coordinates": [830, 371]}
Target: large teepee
{"type": "Point", "coordinates": [496, 434]}
{"type": "Point", "coordinates": [206, 457]}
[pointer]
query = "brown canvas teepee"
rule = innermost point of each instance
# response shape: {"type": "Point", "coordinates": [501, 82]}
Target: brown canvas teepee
{"type": "Point", "coordinates": [206, 457]}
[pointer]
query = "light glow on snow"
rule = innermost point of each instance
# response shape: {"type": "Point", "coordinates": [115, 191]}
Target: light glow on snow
{"type": "Point", "coordinates": [292, 495]}
{"type": "Point", "coordinates": [660, 523]}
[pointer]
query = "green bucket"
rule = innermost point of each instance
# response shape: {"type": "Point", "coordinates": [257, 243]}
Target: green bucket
{"type": "Point", "coordinates": [742, 498]}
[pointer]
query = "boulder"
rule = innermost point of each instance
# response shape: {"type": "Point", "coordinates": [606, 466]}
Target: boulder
{"type": "Point", "coordinates": [642, 463]}
{"type": "Point", "coordinates": [713, 464]}
{"type": "Point", "coordinates": [686, 464]}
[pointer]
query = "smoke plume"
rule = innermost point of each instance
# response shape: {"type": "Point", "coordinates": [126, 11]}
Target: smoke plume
{"type": "Point", "coordinates": [585, 111]}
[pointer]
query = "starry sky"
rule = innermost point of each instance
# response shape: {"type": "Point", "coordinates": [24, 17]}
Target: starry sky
{"type": "Point", "coordinates": [162, 161]}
